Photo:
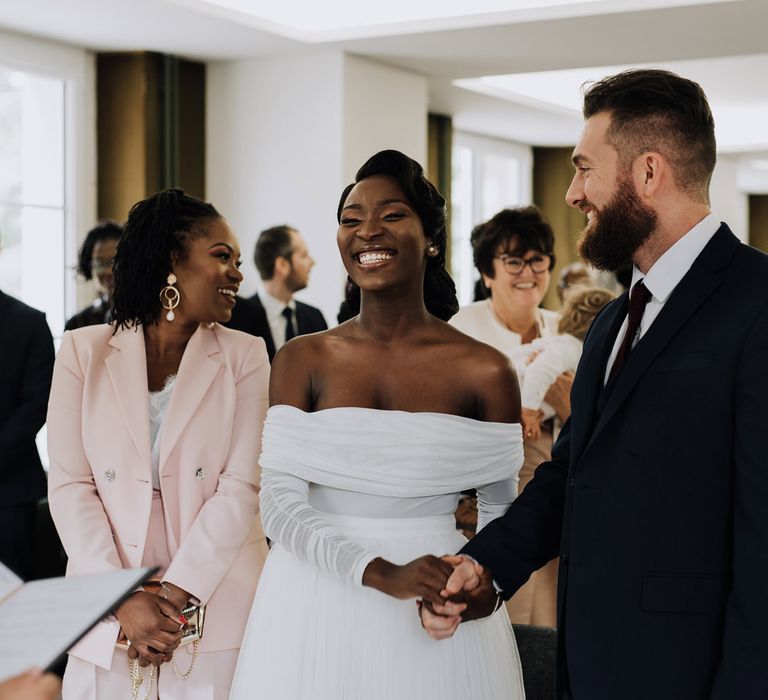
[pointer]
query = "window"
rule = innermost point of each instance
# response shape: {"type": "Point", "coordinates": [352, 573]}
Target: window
{"type": "Point", "coordinates": [32, 192]}
{"type": "Point", "coordinates": [488, 175]}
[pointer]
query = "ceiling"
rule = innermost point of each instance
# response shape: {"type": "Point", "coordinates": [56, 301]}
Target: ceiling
{"type": "Point", "coordinates": [546, 48]}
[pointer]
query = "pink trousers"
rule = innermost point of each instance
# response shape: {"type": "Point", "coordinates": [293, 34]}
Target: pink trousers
{"type": "Point", "coordinates": [210, 679]}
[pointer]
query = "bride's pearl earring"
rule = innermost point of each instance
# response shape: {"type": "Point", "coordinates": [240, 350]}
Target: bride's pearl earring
{"type": "Point", "coordinates": [432, 250]}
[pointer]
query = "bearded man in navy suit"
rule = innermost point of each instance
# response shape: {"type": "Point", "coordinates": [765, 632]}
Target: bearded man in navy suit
{"type": "Point", "coordinates": [655, 497]}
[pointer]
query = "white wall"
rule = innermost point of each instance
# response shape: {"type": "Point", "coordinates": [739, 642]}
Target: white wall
{"type": "Point", "coordinates": [286, 134]}
{"type": "Point", "coordinates": [384, 108]}
{"type": "Point", "coordinates": [728, 201]}
{"type": "Point", "coordinates": [274, 135]}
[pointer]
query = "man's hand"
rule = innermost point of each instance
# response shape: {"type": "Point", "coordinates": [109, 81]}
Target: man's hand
{"type": "Point", "coordinates": [471, 596]}
{"type": "Point", "coordinates": [559, 395]}
{"type": "Point", "coordinates": [464, 577]}
{"type": "Point", "coordinates": [32, 685]}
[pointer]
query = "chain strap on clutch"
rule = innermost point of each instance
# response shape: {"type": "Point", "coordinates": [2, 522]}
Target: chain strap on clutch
{"type": "Point", "coordinates": [183, 676]}
{"type": "Point", "coordinates": [137, 678]}
{"type": "Point", "coordinates": [191, 633]}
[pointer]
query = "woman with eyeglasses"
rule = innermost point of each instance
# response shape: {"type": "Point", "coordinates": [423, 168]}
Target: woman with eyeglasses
{"type": "Point", "coordinates": [513, 252]}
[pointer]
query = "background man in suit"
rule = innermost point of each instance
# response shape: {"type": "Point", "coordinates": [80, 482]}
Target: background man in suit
{"type": "Point", "coordinates": [26, 366]}
{"type": "Point", "coordinates": [284, 263]}
{"type": "Point", "coordinates": [655, 498]}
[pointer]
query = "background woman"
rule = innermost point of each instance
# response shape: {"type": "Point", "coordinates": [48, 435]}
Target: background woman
{"type": "Point", "coordinates": [513, 253]}
{"type": "Point", "coordinates": [375, 428]}
{"type": "Point", "coordinates": [154, 427]}
{"type": "Point", "coordinates": [95, 260]}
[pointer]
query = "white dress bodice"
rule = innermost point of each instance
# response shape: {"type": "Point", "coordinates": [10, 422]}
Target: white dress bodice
{"type": "Point", "coordinates": [377, 464]}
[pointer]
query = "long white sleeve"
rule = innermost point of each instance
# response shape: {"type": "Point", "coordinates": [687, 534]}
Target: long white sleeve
{"type": "Point", "coordinates": [288, 519]}
{"type": "Point", "coordinates": [494, 499]}
{"type": "Point", "coordinates": [558, 354]}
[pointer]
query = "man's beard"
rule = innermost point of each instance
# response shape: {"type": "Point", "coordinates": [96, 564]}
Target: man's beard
{"type": "Point", "coordinates": [616, 232]}
{"type": "Point", "coordinates": [294, 282]}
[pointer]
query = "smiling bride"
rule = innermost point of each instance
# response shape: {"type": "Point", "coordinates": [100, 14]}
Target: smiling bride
{"type": "Point", "coordinates": [375, 428]}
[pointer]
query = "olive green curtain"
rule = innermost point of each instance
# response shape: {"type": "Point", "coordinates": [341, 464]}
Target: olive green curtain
{"type": "Point", "coordinates": [758, 221]}
{"type": "Point", "coordinates": [552, 174]}
{"type": "Point", "coordinates": [439, 168]}
{"type": "Point", "coordinates": [150, 120]}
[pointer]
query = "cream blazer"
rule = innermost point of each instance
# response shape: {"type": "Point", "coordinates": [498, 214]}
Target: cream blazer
{"type": "Point", "coordinates": [100, 484]}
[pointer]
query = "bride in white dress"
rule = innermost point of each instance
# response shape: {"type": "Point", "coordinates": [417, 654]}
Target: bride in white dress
{"type": "Point", "coordinates": [376, 426]}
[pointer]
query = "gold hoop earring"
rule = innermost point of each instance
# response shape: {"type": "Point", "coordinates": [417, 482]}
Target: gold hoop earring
{"type": "Point", "coordinates": [170, 297]}
{"type": "Point", "coordinates": [432, 250]}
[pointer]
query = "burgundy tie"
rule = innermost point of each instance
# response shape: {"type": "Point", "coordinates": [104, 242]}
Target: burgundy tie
{"type": "Point", "coordinates": [638, 299]}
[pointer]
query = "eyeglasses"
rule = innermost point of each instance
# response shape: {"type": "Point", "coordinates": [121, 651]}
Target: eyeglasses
{"type": "Point", "coordinates": [515, 266]}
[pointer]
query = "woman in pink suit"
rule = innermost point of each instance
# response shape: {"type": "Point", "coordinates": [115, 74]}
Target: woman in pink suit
{"type": "Point", "coordinates": [154, 429]}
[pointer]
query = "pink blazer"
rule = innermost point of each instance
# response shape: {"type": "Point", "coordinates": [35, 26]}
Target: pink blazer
{"type": "Point", "coordinates": [100, 484]}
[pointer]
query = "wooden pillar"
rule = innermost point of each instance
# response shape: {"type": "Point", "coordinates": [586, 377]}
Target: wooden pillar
{"type": "Point", "coordinates": [758, 221]}
{"type": "Point", "coordinates": [150, 128]}
{"type": "Point", "coordinates": [552, 174]}
{"type": "Point", "coordinates": [439, 167]}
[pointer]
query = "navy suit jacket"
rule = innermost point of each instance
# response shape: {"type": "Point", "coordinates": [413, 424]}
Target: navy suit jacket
{"type": "Point", "coordinates": [656, 498]}
{"type": "Point", "coordinates": [26, 367]}
{"type": "Point", "coordinates": [250, 316]}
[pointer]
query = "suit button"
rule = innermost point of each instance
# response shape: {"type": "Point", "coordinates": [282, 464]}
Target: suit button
{"type": "Point", "coordinates": [564, 559]}
{"type": "Point", "coordinates": [109, 474]}
{"type": "Point", "coordinates": [572, 482]}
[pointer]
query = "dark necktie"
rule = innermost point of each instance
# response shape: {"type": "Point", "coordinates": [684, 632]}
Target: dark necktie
{"type": "Point", "coordinates": [637, 301]}
{"type": "Point", "coordinates": [289, 332]}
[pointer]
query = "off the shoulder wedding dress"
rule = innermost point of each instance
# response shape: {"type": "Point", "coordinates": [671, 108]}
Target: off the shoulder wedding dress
{"type": "Point", "coordinates": [340, 487]}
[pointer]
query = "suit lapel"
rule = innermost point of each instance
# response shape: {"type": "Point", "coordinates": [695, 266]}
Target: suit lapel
{"type": "Point", "coordinates": [199, 367]}
{"type": "Point", "coordinates": [264, 324]}
{"type": "Point", "coordinates": [301, 320]}
{"type": "Point", "coordinates": [127, 369]}
{"type": "Point", "coordinates": [701, 281]}
{"type": "Point", "coordinates": [588, 383]}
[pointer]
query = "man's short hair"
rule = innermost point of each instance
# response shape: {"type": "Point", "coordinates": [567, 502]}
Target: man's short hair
{"type": "Point", "coordinates": [273, 243]}
{"type": "Point", "coordinates": [656, 110]}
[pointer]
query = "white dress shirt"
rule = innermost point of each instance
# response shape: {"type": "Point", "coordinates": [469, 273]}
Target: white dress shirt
{"type": "Point", "coordinates": [664, 276]}
{"type": "Point", "coordinates": [274, 308]}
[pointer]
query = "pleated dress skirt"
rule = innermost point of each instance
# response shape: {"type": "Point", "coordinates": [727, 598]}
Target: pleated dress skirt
{"type": "Point", "coordinates": [314, 636]}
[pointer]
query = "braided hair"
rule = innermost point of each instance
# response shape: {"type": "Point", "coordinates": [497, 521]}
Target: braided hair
{"type": "Point", "coordinates": [156, 233]}
{"type": "Point", "coordinates": [429, 205]}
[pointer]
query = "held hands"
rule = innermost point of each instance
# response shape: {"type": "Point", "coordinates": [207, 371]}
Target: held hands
{"type": "Point", "coordinates": [470, 595]}
{"type": "Point", "coordinates": [422, 578]}
{"type": "Point", "coordinates": [451, 589]}
{"type": "Point", "coordinates": [152, 625]}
